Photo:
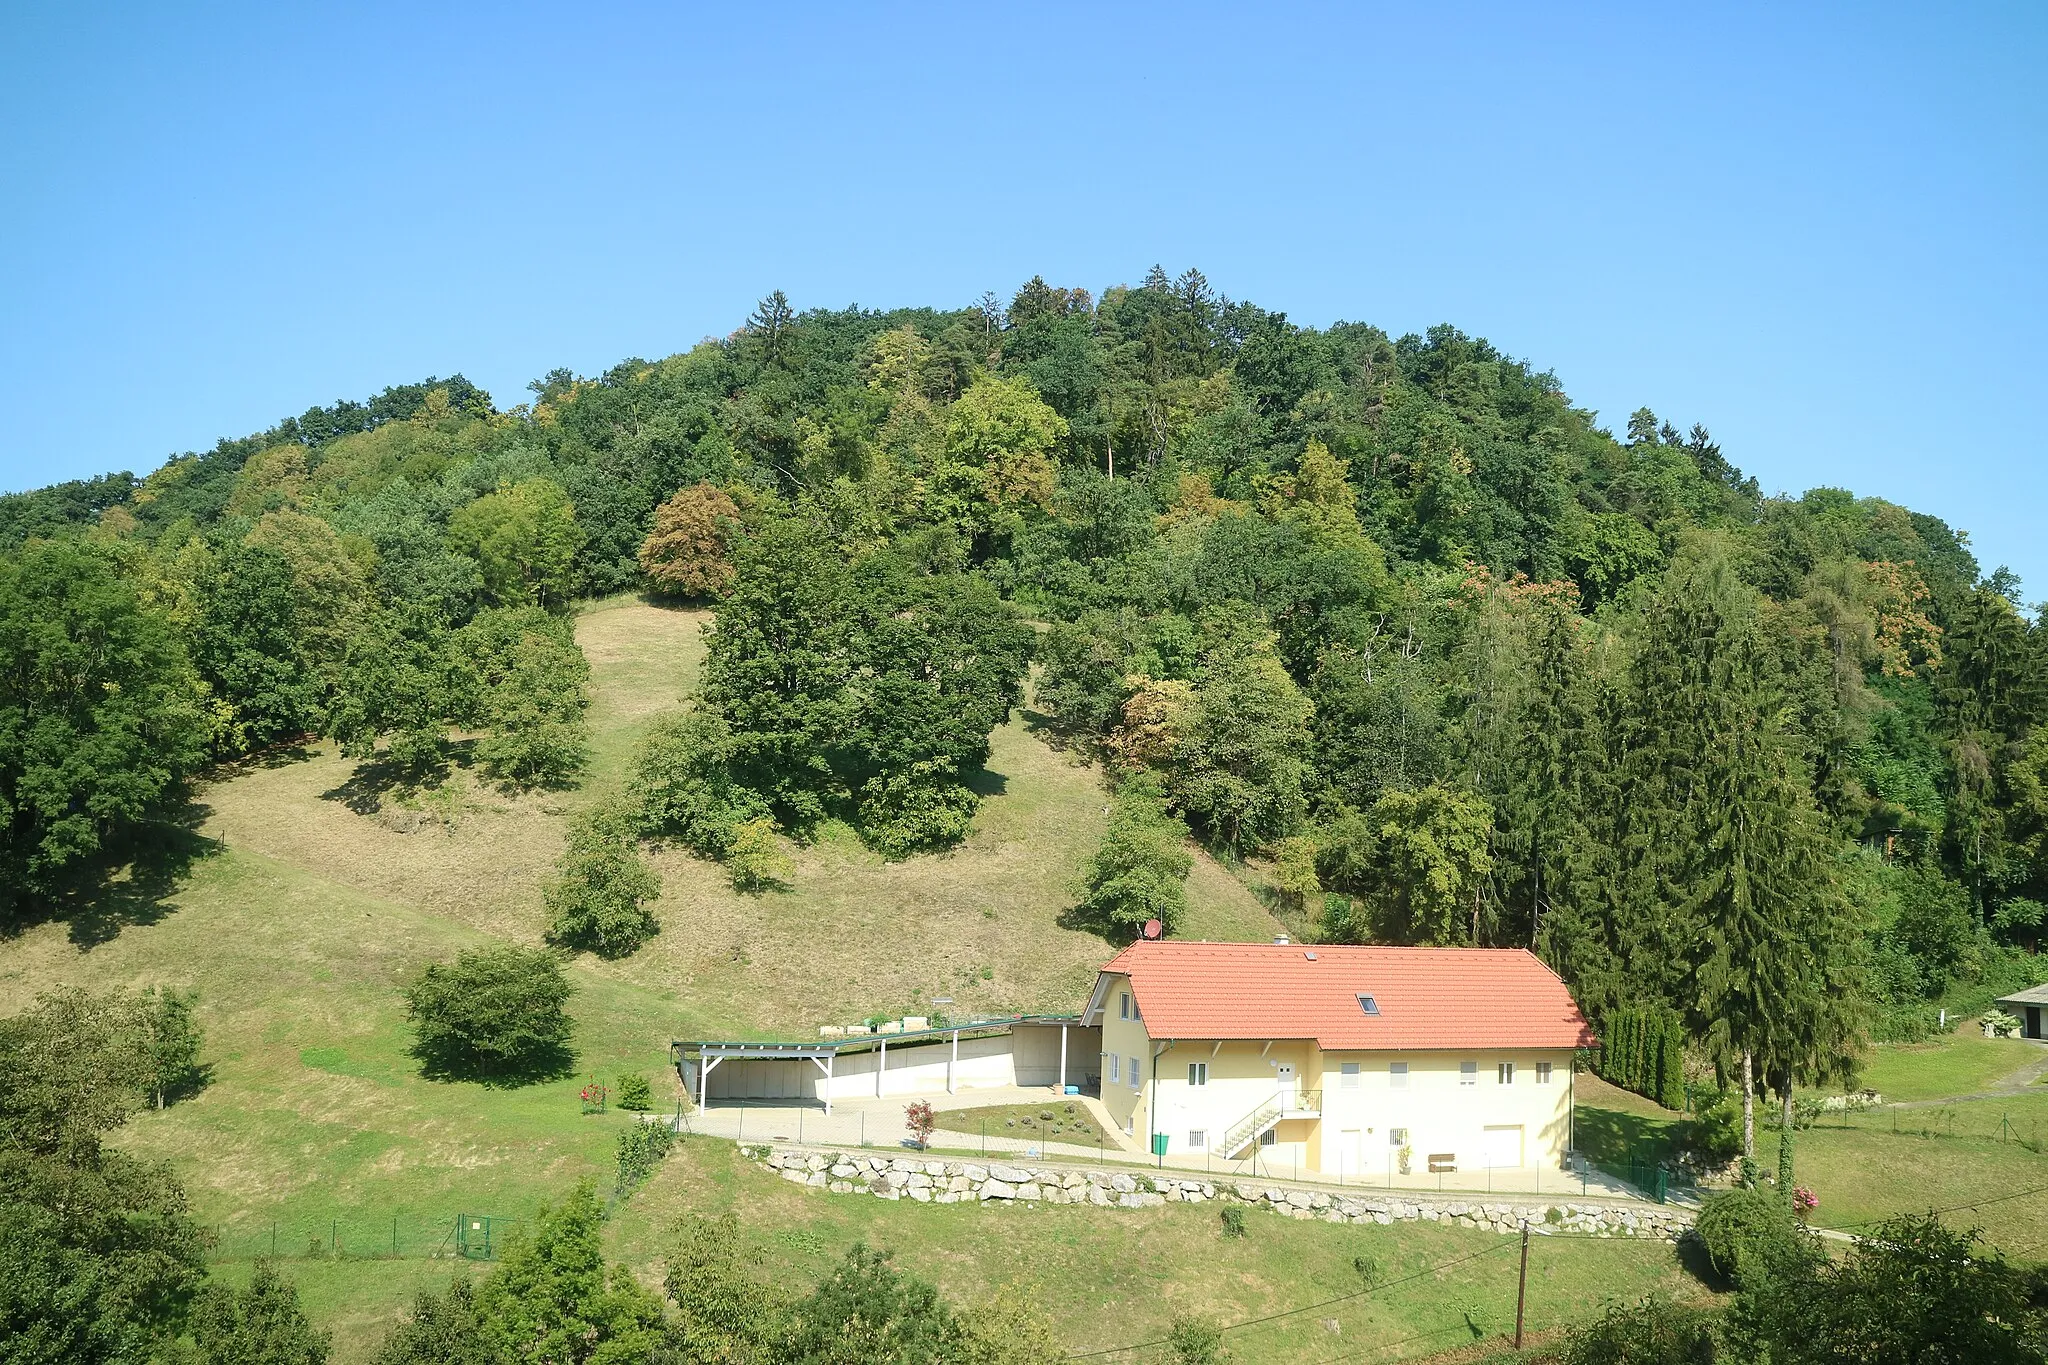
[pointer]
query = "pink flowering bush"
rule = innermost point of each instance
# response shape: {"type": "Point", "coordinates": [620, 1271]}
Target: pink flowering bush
{"type": "Point", "coordinates": [1804, 1201]}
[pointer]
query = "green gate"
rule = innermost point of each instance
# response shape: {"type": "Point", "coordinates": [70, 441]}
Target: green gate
{"type": "Point", "coordinates": [477, 1235]}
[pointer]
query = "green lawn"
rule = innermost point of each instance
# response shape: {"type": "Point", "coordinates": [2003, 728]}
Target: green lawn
{"type": "Point", "coordinates": [1056, 1120]}
{"type": "Point", "coordinates": [1888, 1161]}
{"type": "Point", "coordinates": [1962, 1063]}
{"type": "Point", "coordinates": [1119, 1278]}
{"type": "Point", "coordinates": [301, 903]}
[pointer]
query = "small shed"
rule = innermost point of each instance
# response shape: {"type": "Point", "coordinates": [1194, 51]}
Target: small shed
{"type": "Point", "coordinates": [2031, 1008]}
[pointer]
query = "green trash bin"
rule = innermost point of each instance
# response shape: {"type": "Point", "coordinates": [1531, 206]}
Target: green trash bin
{"type": "Point", "coordinates": [1159, 1147]}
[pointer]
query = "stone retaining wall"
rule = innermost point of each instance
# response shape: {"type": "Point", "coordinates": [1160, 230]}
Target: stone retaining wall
{"type": "Point", "coordinates": [931, 1181]}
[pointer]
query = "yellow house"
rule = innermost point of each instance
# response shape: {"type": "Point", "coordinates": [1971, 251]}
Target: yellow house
{"type": "Point", "coordinates": [1355, 1060]}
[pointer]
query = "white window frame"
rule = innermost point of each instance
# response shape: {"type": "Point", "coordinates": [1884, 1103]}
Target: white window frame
{"type": "Point", "coordinates": [1116, 1068]}
{"type": "Point", "coordinates": [1504, 1073]}
{"type": "Point", "coordinates": [1468, 1073]}
{"type": "Point", "coordinates": [1397, 1137]}
{"type": "Point", "coordinates": [1135, 1082]}
{"type": "Point", "coordinates": [1397, 1075]}
{"type": "Point", "coordinates": [1198, 1139]}
{"type": "Point", "coordinates": [1348, 1076]}
{"type": "Point", "coordinates": [1123, 1005]}
{"type": "Point", "coordinates": [1543, 1073]}
{"type": "Point", "coordinates": [1198, 1073]}
{"type": "Point", "coordinates": [1270, 1138]}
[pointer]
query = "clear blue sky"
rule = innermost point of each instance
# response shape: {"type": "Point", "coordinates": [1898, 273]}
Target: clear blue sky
{"type": "Point", "coordinates": [1820, 233]}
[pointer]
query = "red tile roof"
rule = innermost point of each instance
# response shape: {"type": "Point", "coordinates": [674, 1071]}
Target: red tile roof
{"type": "Point", "coordinates": [1429, 998]}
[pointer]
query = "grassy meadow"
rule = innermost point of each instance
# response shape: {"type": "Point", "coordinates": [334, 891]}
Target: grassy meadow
{"type": "Point", "coordinates": [297, 901]}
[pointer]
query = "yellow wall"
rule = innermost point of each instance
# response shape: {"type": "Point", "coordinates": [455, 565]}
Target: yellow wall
{"type": "Point", "coordinates": [1442, 1115]}
{"type": "Point", "coordinates": [1529, 1122]}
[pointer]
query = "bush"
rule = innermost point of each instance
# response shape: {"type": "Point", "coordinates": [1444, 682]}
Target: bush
{"type": "Point", "coordinates": [1654, 1331]}
{"type": "Point", "coordinates": [682, 786]}
{"type": "Point", "coordinates": [755, 862]}
{"type": "Point", "coordinates": [920, 1121]}
{"type": "Point", "coordinates": [494, 1014]}
{"type": "Point", "coordinates": [599, 900]}
{"type": "Point", "coordinates": [923, 807]}
{"type": "Point", "coordinates": [635, 1093]}
{"type": "Point", "coordinates": [1233, 1220]}
{"type": "Point", "coordinates": [1747, 1232]}
{"type": "Point", "coordinates": [1714, 1134]}
{"type": "Point", "coordinates": [641, 1148]}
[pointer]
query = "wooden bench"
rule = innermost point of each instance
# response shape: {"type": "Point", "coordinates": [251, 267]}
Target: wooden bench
{"type": "Point", "coordinates": [1441, 1163]}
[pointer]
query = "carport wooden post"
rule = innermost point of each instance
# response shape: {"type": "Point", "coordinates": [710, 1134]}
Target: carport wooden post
{"type": "Point", "coordinates": [881, 1066]}
{"type": "Point", "coordinates": [830, 1058]}
{"type": "Point", "coordinates": [1063, 1059]}
{"type": "Point", "coordinates": [953, 1062]}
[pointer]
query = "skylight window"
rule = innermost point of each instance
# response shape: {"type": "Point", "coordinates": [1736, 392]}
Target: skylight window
{"type": "Point", "coordinates": [1368, 1004]}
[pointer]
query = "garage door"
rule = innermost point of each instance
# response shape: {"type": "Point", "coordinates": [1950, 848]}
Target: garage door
{"type": "Point", "coordinates": [1504, 1145]}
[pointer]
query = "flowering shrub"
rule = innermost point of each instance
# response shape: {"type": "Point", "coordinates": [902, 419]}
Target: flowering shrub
{"type": "Point", "coordinates": [594, 1096]}
{"type": "Point", "coordinates": [918, 1119]}
{"type": "Point", "coordinates": [1804, 1201]}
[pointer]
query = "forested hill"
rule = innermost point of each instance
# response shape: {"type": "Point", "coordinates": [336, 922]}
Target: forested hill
{"type": "Point", "coordinates": [1389, 614]}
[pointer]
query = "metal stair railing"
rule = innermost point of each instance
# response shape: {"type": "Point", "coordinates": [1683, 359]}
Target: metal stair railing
{"type": "Point", "coordinates": [1283, 1104]}
{"type": "Point", "coordinates": [1248, 1128]}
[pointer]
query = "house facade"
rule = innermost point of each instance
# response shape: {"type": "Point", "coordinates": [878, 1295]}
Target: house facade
{"type": "Point", "coordinates": [1340, 1060]}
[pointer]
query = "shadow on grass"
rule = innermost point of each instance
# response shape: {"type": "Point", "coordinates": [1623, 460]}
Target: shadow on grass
{"type": "Point", "coordinates": [131, 881]}
{"type": "Point", "coordinates": [984, 783]}
{"type": "Point", "coordinates": [376, 780]}
{"type": "Point", "coordinates": [1611, 1135]}
{"type": "Point", "coordinates": [536, 1067]}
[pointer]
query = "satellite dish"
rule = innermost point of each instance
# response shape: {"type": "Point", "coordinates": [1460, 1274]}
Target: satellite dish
{"type": "Point", "coordinates": [1153, 928]}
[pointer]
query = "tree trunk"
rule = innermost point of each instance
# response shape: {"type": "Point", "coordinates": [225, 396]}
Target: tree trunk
{"type": "Point", "coordinates": [1748, 1105]}
{"type": "Point", "coordinates": [1785, 1142]}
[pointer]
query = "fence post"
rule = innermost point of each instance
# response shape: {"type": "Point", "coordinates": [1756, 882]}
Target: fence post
{"type": "Point", "coordinates": [334, 1236]}
{"type": "Point", "coordinates": [394, 1236]}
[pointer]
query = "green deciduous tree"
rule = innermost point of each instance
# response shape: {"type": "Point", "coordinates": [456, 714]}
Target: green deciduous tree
{"type": "Point", "coordinates": [442, 1329]}
{"type": "Point", "coordinates": [1417, 861]}
{"type": "Point", "coordinates": [400, 682]}
{"type": "Point", "coordinates": [554, 1300]}
{"type": "Point", "coordinates": [259, 1324]}
{"type": "Point", "coordinates": [599, 898]}
{"type": "Point", "coordinates": [495, 1014]}
{"type": "Point", "coordinates": [98, 1250]}
{"type": "Point", "coordinates": [527, 685]}
{"type": "Point", "coordinates": [1140, 872]}
{"type": "Point", "coordinates": [99, 715]}
{"type": "Point", "coordinates": [524, 538]}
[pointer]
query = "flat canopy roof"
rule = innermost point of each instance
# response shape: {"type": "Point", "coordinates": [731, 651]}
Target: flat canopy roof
{"type": "Point", "coordinates": [2035, 995]}
{"type": "Point", "coordinates": [825, 1047]}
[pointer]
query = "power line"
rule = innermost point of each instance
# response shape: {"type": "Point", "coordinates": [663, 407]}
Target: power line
{"type": "Point", "coordinates": [1953, 1208]}
{"type": "Point", "coordinates": [1307, 1307]}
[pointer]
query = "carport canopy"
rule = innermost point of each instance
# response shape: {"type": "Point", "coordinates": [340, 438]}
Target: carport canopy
{"type": "Point", "coordinates": [709, 1055]}
{"type": "Point", "coordinates": [821, 1054]}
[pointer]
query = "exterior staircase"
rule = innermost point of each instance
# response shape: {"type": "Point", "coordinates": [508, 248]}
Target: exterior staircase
{"type": "Point", "coordinates": [1287, 1104]}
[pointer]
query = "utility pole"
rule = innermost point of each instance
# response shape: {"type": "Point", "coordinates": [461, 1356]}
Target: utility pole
{"type": "Point", "coordinates": [1522, 1287]}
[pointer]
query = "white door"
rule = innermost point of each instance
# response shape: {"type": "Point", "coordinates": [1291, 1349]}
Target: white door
{"type": "Point", "coordinates": [1504, 1145]}
{"type": "Point", "coordinates": [1350, 1149]}
{"type": "Point", "coordinates": [1286, 1086]}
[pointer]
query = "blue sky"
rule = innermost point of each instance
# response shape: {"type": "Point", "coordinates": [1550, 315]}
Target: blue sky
{"type": "Point", "coordinates": [1818, 230]}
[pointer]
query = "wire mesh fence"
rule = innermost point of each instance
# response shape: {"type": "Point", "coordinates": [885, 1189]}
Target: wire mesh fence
{"type": "Point", "coordinates": [358, 1235]}
{"type": "Point", "coordinates": [1977, 1120]}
